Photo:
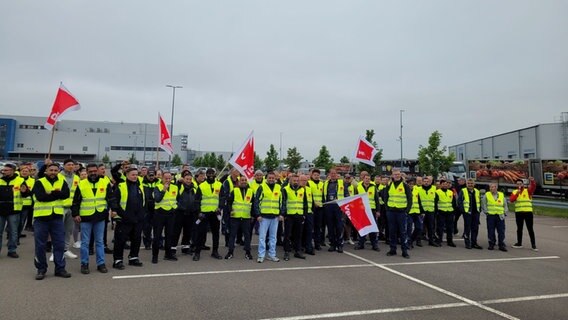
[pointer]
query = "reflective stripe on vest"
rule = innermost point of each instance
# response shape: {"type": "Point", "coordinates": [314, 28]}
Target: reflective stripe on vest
{"type": "Point", "coordinates": [210, 196]}
{"type": "Point", "coordinates": [466, 199]}
{"type": "Point", "coordinates": [27, 201]}
{"type": "Point", "coordinates": [397, 196]}
{"type": "Point", "coordinates": [524, 202]}
{"type": "Point", "coordinates": [351, 190]}
{"type": "Point", "coordinates": [92, 202]}
{"type": "Point", "coordinates": [445, 200]}
{"type": "Point", "coordinates": [16, 184]}
{"type": "Point", "coordinates": [294, 200]}
{"type": "Point", "coordinates": [415, 209]}
{"type": "Point", "coordinates": [270, 202]}
{"type": "Point", "coordinates": [370, 192]}
{"type": "Point", "coordinates": [340, 189]}
{"type": "Point", "coordinates": [43, 209]}
{"type": "Point", "coordinates": [427, 198]}
{"type": "Point", "coordinates": [242, 206]}
{"type": "Point", "coordinates": [124, 195]}
{"type": "Point", "coordinates": [495, 206]}
{"type": "Point", "coordinates": [310, 197]}
{"type": "Point", "coordinates": [169, 201]}
{"type": "Point", "coordinates": [317, 191]}
{"type": "Point", "coordinates": [69, 201]}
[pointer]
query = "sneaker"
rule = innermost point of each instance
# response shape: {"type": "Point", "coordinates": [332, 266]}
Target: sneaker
{"type": "Point", "coordinates": [135, 262]}
{"type": "Point", "coordinates": [491, 248]}
{"type": "Point", "coordinates": [359, 247]}
{"type": "Point", "coordinates": [391, 253]}
{"type": "Point", "coordinates": [62, 274]}
{"type": "Point", "coordinates": [331, 249]}
{"type": "Point", "coordinates": [108, 250]}
{"type": "Point", "coordinates": [248, 256]}
{"type": "Point", "coordinates": [310, 252]}
{"type": "Point", "coordinates": [451, 244]}
{"type": "Point", "coordinates": [196, 256]}
{"type": "Point", "coordinates": [405, 255]}
{"type": "Point", "coordinates": [85, 269]}
{"type": "Point", "coordinates": [13, 255]}
{"type": "Point", "coordinates": [418, 243]}
{"type": "Point", "coordinates": [534, 248]}
{"type": "Point", "coordinates": [70, 255]}
{"type": "Point", "coordinates": [350, 242]}
{"type": "Point", "coordinates": [503, 249]}
{"type": "Point", "coordinates": [102, 268]}
{"type": "Point", "coordinates": [260, 260]}
{"type": "Point", "coordinates": [339, 249]}
{"type": "Point", "coordinates": [376, 248]}
{"type": "Point", "coordinates": [273, 259]}
{"type": "Point", "coordinates": [154, 259]}
{"type": "Point", "coordinates": [171, 257]}
{"type": "Point", "coordinates": [476, 246]}
{"type": "Point", "coordinates": [517, 246]}
{"type": "Point", "coordinates": [118, 265]}
{"type": "Point", "coordinates": [216, 255]}
{"type": "Point", "coordinates": [229, 256]}
{"type": "Point", "coordinates": [77, 244]}
{"type": "Point", "coordinates": [51, 258]}
{"type": "Point", "coordinates": [299, 256]}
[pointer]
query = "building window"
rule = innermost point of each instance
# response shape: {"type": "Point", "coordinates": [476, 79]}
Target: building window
{"type": "Point", "coordinates": [85, 148]}
{"type": "Point", "coordinates": [61, 148]}
{"type": "Point", "coordinates": [107, 149]}
{"type": "Point", "coordinates": [20, 145]}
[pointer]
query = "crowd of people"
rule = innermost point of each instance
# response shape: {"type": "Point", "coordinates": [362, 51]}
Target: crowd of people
{"type": "Point", "coordinates": [165, 212]}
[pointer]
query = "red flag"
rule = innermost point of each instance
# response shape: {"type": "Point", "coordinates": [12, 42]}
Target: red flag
{"type": "Point", "coordinates": [365, 152]}
{"type": "Point", "coordinates": [358, 209]}
{"type": "Point", "coordinates": [64, 101]}
{"type": "Point", "coordinates": [243, 160]}
{"type": "Point", "coordinates": [165, 140]}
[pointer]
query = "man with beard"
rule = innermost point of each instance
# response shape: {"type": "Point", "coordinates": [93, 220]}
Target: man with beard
{"type": "Point", "coordinates": [316, 186]}
{"type": "Point", "coordinates": [294, 207]}
{"type": "Point", "coordinates": [210, 213]}
{"type": "Point", "coordinates": [398, 199]}
{"type": "Point", "coordinates": [239, 205]}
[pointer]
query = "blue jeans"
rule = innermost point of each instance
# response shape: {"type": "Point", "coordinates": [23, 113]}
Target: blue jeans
{"type": "Point", "coordinates": [270, 226]}
{"type": "Point", "coordinates": [53, 227]}
{"type": "Point", "coordinates": [13, 222]}
{"type": "Point", "coordinates": [494, 222]}
{"type": "Point", "coordinates": [98, 229]}
{"type": "Point", "coordinates": [397, 227]}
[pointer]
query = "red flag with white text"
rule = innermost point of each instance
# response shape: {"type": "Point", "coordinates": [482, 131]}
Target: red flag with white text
{"type": "Point", "coordinates": [243, 159]}
{"type": "Point", "coordinates": [64, 101]}
{"type": "Point", "coordinates": [365, 152]}
{"type": "Point", "coordinates": [358, 209]}
{"type": "Point", "coordinates": [165, 140]}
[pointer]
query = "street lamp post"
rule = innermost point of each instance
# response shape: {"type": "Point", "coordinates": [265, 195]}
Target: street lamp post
{"type": "Point", "coordinates": [173, 108]}
{"type": "Point", "coordinates": [401, 155]}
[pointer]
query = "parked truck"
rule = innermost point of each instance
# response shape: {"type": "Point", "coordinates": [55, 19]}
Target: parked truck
{"type": "Point", "coordinates": [551, 175]}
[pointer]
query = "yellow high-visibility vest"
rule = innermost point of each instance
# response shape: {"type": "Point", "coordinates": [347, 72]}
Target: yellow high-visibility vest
{"type": "Point", "coordinates": [210, 196]}
{"type": "Point", "coordinates": [371, 191]}
{"type": "Point", "coordinates": [466, 199]}
{"type": "Point", "coordinates": [69, 201]}
{"type": "Point", "coordinates": [294, 201]}
{"type": "Point", "coordinates": [16, 184]}
{"type": "Point", "coordinates": [317, 191]}
{"type": "Point", "coordinates": [523, 202]}
{"type": "Point", "coordinates": [415, 208]}
{"type": "Point", "coordinates": [169, 201]}
{"type": "Point", "coordinates": [397, 196]}
{"type": "Point", "coordinates": [92, 202]}
{"type": "Point", "coordinates": [43, 209]}
{"type": "Point", "coordinates": [445, 200]}
{"type": "Point", "coordinates": [495, 206]}
{"type": "Point", "coordinates": [427, 198]}
{"type": "Point", "coordinates": [270, 201]}
{"type": "Point", "coordinates": [242, 205]}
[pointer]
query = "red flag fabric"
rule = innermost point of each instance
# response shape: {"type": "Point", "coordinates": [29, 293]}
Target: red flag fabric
{"type": "Point", "coordinates": [64, 101]}
{"type": "Point", "coordinates": [243, 160]}
{"type": "Point", "coordinates": [164, 139]}
{"type": "Point", "coordinates": [365, 152]}
{"type": "Point", "coordinates": [358, 209]}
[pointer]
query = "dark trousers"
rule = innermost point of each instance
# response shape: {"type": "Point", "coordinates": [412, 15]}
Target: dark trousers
{"type": "Point", "coordinates": [319, 226]}
{"type": "Point", "coordinates": [23, 219]}
{"type": "Point", "coordinates": [445, 222]}
{"type": "Point", "coordinates": [30, 219]}
{"type": "Point", "coordinates": [163, 221]}
{"type": "Point", "coordinates": [123, 232]}
{"type": "Point", "coordinates": [147, 228]}
{"type": "Point", "coordinates": [244, 226]}
{"type": "Point", "coordinates": [209, 219]}
{"type": "Point", "coordinates": [308, 232]}
{"type": "Point", "coordinates": [226, 225]}
{"type": "Point", "coordinates": [383, 223]}
{"type": "Point", "coordinates": [293, 232]}
{"type": "Point", "coordinates": [525, 217]}
{"type": "Point", "coordinates": [494, 222]}
{"type": "Point", "coordinates": [55, 229]}
{"type": "Point", "coordinates": [397, 227]}
{"type": "Point", "coordinates": [182, 222]}
{"type": "Point", "coordinates": [470, 228]}
{"type": "Point", "coordinates": [430, 225]}
{"type": "Point", "coordinates": [457, 215]}
{"type": "Point", "coordinates": [414, 224]}
{"type": "Point", "coordinates": [334, 220]}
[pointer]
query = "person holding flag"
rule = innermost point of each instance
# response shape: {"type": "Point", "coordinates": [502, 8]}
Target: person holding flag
{"type": "Point", "coordinates": [366, 186]}
{"type": "Point", "coordinates": [334, 189]}
{"type": "Point", "coordinates": [239, 205]}
{"type": "Point", "coordinates": [398, 199]}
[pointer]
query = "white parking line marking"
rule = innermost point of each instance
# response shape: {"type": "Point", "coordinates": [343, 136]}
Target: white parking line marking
{"type": "Point", "coordinates": [433, 287]}
{"type": "Point", "coordinates": [560, 226]}
{"type": "Point", "coordinates": [519, 299]}
{"type": "Point", "coordinates": [468, 261]}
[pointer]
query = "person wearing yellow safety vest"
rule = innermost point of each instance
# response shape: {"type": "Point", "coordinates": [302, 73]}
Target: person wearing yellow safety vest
{"type": "Point", "coordinates": [255, 184]}
{"type": "Point", "coordinates": [349, 232]}
{"type": "Point", "coordinates": [49, 193]}
{"type": "Point", "coordinates": [90, 209]}
{"type": "Point", "coordinates": [228, 185]}
{"type": "Point", "coordinates": [149, 184]}
{"type": "Point", "coordinates": [381, 183]}
{"type": "Point", "coordinates": [426, 198]}
{"type": "Point", "coordinates": [12, 190]}
{"type": "Point", "coordinates": [522, 197]}
{"type": "Point", "coordinates": [165, 196]}
{"type": "Point", "coordinates": [185, 213]}
{"type": "Point", "coordinates": [239, 206]}
{"type": "Point", "coordinates": [368, 187]}
{"type": "Point", "coordinates": [494, 205]}
{"type": "Point", "coordinates": [415, 219]}
{"type": "Point", "coordinates": [293, 208]}
{"type": "Point", "coordinates": [27, 202]}
{"type": "Point", "coordinates": [266, 209]}
{"type": "Point", "coordinates": [308, 230]}
{"type": "Point", "coordinates": [102, 175]}
{"type": "Point", "coordinates": [209, 214]}
{"type": "Point", "coordinates": [119, 170]}
{"type": "Point", "coordinates": [398, 198]}
{"type": "Point", "coordinates": [68, 173]}
{"type": "Point", "coordinates": [444, 204]}
{"type": "Point", "coordinates": [469, 204]}
{"type": "Point", "coordinates": [316, 185]}
{"type": "Point", "coordinates": [128, 213]}
{"type": "Point", "coordinates": [334, 189]}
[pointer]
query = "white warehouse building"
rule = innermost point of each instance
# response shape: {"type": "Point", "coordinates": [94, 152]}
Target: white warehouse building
{"type": "Point", "coordinates": [25, 138]}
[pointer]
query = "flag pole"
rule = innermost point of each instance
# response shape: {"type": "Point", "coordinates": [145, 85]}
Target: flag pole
{"type": "Point", "coordinates": [51, 141]}
{"type": "Point", "coordinates": [157, 158]}
{"type": "Point", "coordinates": [221, 172]}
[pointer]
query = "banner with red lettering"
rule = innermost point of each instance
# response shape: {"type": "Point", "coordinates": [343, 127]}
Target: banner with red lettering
{"type": "Point", "coordinates": [164, 138]}
{"type": "Point", "coordinates": [243, 159]}
{"type": "Point", "coordinates": [365, 152]}
{"type": "Point", "coordinates": [358, 209]}
{"type": "Point", "coordinates": [64, 101]}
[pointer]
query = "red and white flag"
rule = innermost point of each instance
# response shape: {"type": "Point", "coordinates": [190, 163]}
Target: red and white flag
{"type": "Point", "coordinates": [358, 209]}
{"type": "Point", "coordinates": [365, 152]}
{"type": "Point", "coordinates": [64, 101]}
{"type": "Point", "coordinates": [165, 140]}
{"type": "Point", "coordinates": [243, 160]}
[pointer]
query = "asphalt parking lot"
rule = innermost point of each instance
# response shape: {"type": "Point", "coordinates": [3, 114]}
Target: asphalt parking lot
{"type": "Point", "coordinates": [436, 283]}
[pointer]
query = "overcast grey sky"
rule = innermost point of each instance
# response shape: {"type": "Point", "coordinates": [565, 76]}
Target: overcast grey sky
{"type": "Point", "coordinates": [320, 72]}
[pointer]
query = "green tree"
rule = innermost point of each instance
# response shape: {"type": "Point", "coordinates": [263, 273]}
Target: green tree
{"type": "Point", "coordinates": [323, 159]}
{"type": "Point", "coordinates": [293, 159]}
{"type": "Point", "coordinates": [220, 163]}
{"type": "Point", "coordinates": [431, 158]}
{"type": "Point", "coordinates": [176, 160]}
{"type": "Point", "coordinates": [344, 160]}
{"type": "Point", "coordinates": [198, 162]}
{"type": "Point", "coordinates": [106, 159]}
{"type": "Point", "coordinates": [132, 158]}
{"type": "Point", "coordinates": [271, 161]}
{"type": "Point", "coordinates": [210, 160]}
{"type": "Point", "coordinates": [369, 134]}
{"type": "Point", "coordinates": [257, 162]}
